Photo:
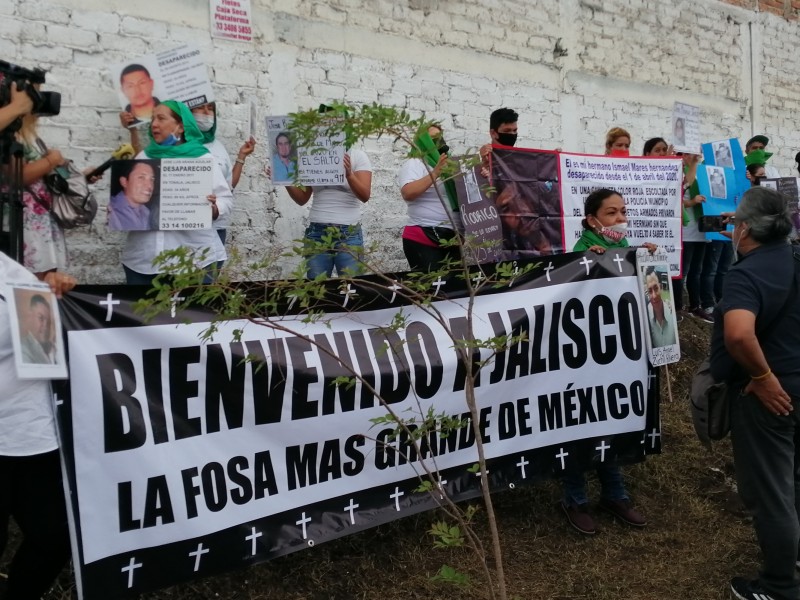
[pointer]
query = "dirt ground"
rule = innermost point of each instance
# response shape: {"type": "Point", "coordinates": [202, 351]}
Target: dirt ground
{"type": "Point", "coordinates": [697, 537]}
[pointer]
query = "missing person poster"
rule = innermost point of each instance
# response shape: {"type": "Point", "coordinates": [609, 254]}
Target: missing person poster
{"type": "Point", "coordinates": [719, 186]}
{"type": "Point", "coordinates": [166, 194]}
{"type": "Point", "coordinates": [231, 20]}
{"type": "Point", "coordinates": [35, 331]}
{"type": "Point", "coordinates": [320, 164]}
{"type": "Point", "coordinates": [650, 187]}
{"type": "Point", "coordinates": [526, 197]}
{"type": "Point", "coordinates": [144, 81]}
{"type": "Point", "coordinates": [658, 307]}
{"type": "Point", "coordinates": [482, 225]}
{"type": "Point", "coordinates": [686, 128]}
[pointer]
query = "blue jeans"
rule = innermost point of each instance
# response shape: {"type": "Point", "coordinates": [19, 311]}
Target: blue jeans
{"type": "Point", "coordinates": [692, 260]}
{"type": "Point", "coordinates": [574, 485]}
{"type": "Point", "coordinates": [223, 235]}
{"type": "Point", "coordinates": [725, 262]}
{"type": "Point", "coordinates": [343, 250]}
{"type": "Point", "coordinates": [710, 265]}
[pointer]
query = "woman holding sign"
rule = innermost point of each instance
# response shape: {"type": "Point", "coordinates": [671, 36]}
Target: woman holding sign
{"type": "Point", "coordinates": [175, 134]}
{"type": "Point", "coordinates": [206, 117]}
{"type": "Point", "coordinates": [430, 222]}
{"type": "Point", "coordinates": [604, 227]}
{"type": "Point", "coordinates": [336, 214]}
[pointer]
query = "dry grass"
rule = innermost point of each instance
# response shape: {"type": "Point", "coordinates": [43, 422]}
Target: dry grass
{"type": "Point", "coordinates": [696, 540]}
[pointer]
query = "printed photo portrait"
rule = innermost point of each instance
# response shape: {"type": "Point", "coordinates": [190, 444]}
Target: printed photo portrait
{"type": "Point", "coordinates": [284, 157]}
{"type": "Point", "coordinates": [36, 332]}
{"type": "Point", "coordinates": [716, 182]}
{"type": "Point", "coordinates": [134, 199]}
{"type": "Point", "coordinates": [660, 318]}
{"type": "Point", "coordinates": [527, 201]}
{"type": "Point", "coordinates": [722, 154]}
{"type": "Point", "coordinates": [679, 132]}
{"type": "Point", "coordinates": [138, 88]}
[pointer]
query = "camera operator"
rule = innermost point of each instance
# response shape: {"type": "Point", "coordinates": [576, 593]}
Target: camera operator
{"type": "Point", "coordinates": [31, 489]}
{"type": "Point", "coordinates": [20, 104]}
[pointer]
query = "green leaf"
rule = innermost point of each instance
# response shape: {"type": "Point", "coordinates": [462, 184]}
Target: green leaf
{"type": "Point", "coordinates": [448, 574]}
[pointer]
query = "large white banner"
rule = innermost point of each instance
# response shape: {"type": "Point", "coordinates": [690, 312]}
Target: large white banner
{"type": "Point", "coordinates": [186, 457]}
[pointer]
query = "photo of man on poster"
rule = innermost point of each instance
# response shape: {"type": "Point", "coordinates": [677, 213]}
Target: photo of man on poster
{"type": "Point", "coordinates": [37, 337]}
{"type": "Point", "coordinates": [284, 158]}
{"type": "Point", "coordinates": [662, 324]}
{"type": "Point", "coordinates": [134, 195]}
{"type": "Point", "coordinates": [137, 86]}
{"type": "Point", "coordinates": [527, 202]}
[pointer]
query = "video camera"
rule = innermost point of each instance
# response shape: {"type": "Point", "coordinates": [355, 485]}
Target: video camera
{"type": "Point", "coordinates": [47, 104]}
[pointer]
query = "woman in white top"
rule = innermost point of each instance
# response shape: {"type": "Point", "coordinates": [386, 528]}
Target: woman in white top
{"type": "Point", "coordinates": [30, 471]}
{"type": "Point", "coordinates": [429, 222]}
{"type": "Point", "coordinates": [176, 135]}
{"type": "Point", "coordinates": [206, 117]}
{"type": "Point", "coordinates": [337, 209]}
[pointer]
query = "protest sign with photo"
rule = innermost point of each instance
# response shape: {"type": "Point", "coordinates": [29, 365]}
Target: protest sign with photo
{"type": "Point", "coordinates": [482, 225]}
{"type": "Point", "coordinates": [536, 201]}
{"type": "Point", "coordinates": [186, 457]}
{"type": "Point", "coordinates": [282, 150]}
{"type": "Point", "coordinates": [35, 331]}
{"type": "Point", "coordinates": [686, 128]}
{"type": "Point", "coordinates": [165, 194]}
{"type": "Point", "coordinates": [651, 188]}
{"type": "Point", "coordinates": [719, 186]}
{"type": "Point", "coordinates": [526, 197]}
{"type": "Point", "coordinates": [320, 164]}
{"type": "Point", "coordinates": [144, 81]}
{"type": "Point", "coordinates": [658, 307]}
{"type": "Point", "coordinates": [722, 179]}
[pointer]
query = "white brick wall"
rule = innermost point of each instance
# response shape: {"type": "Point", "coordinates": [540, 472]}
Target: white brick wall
{"type": "Point", "coordinates": [627, 61]}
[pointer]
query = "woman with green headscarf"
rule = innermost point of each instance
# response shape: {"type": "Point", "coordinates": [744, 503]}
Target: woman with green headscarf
{"type": "Point", "coordinates": [206, 117]}
{"type": "Point", "coordinates": [430, 214]}
{"type": "Point", "coordinates": [175, 134]}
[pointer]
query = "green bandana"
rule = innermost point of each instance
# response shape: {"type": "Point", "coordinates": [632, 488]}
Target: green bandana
{"type": "Point", "coordinates": [430, 153]}
{"type": "Point", "coordinates": [192, 146]}
{"type": "Point", "coordinates": [757, 157]}
{"type": "Point", "coordinates": [589, 238]}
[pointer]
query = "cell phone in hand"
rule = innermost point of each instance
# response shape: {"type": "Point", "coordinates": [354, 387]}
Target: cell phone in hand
{"type": "Point", "coordinates": [712, 223]}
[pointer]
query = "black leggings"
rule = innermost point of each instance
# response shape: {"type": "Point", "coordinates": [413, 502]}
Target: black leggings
{"type": "Point", "coordinates": [31, 492]}
{"type": "Point", "coordinates": [429, 258]}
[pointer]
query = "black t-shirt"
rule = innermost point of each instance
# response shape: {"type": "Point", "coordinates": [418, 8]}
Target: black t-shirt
{"type": "Point", "coordinates": [760, 282]}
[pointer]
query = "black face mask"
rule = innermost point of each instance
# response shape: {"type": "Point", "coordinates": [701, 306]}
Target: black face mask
{"type": "Point", "coordinates": [507, 139]}
{"type": "Point", "coordinates": [441, 146]}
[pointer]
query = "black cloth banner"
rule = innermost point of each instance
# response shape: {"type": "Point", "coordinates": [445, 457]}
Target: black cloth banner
{"type": "Point", "coordinates": [182, 459]}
